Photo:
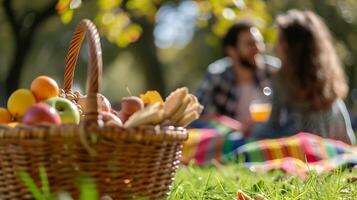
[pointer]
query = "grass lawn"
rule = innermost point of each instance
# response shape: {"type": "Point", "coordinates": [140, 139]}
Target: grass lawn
{"type": "Point", "coordinates": [211, 183]}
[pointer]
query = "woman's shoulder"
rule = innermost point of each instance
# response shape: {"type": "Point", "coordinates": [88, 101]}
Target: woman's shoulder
{"type": "Point", "coordinates": [339, 107]}
{"type": "Point", "coordinates": [335, 113]}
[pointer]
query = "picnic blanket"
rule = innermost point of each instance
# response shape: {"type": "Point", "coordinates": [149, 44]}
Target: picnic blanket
{"type": "Point", "coordinates": [302, 146]}
{"type": "Point", "coordinates": [298, 154]}
{"type": "Point", "coordinates": [212, 138]}
{"type": "Point", "coordinates": [217, 139]}
{"type": "Point", "coordinates": [300, 168]}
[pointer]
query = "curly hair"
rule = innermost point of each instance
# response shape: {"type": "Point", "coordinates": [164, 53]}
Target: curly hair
{"type": "Point", "coordinates": [311, 72]}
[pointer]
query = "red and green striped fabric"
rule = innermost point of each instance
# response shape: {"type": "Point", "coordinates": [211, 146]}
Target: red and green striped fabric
{"type": "Point", "coordinates": [216, 138]}
{"type": "Point", "coordinates": [205, 145]}
{"type": "Point", "coordinates": [302, 146]}
{"type": "Point", "coordinates": [300, 168]}
{"type": "Point", "coordinates": [212, 138]}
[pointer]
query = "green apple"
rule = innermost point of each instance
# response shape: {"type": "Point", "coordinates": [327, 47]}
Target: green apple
{"type": "Point", "coordinates": [67, 110]}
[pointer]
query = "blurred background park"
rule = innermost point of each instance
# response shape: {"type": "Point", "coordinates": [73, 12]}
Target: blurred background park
{"type": "Point", "coordinates": [149, 44]}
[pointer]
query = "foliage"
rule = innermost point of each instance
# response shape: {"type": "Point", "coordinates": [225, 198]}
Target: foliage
{"type": "Point", "coordinates": [116, 18]}
{"type": "Point", "coordinates": [125, 22]}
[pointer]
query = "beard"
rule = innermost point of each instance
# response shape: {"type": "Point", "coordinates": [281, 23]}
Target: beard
{"type": "Point", "coordinates": [245, 62]}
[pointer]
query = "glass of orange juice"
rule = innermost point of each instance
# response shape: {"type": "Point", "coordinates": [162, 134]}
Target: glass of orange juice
{"type": "Point", "coordinates": [260, 110]}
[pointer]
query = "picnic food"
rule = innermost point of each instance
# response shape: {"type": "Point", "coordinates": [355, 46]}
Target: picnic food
{"type": "Point", "coordinates": [130, 105]}
{"type": "Point", "coordinates": [41, 113]}
{"type": "Point", "coordinates": [103, 101]}
{"type": "Point", "coordinates": [151, 96]}
{"type": "Point", "coordinates": [188, 118]}
{"type": "Point", "coordinates": [66, 109]}
{"type": "Point", "coordinates": [151, 114]}
{"type": "Point", "coordinates": [19, 102]}
{"type": "Point", "coordinates": [180, 108]}
{"type": "Point", "coordinates": [50, 109]}
{"type": "Point", "coordinates": [111, 119]}
{"type": "Point", "coordinates": [44, 87]}
{"type": "Point", "coordinates": [5, 116]}
{"type": "Point", "coordinates": [174, 100]}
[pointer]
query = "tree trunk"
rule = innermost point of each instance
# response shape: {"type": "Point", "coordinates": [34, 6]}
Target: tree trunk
{"type": "Point", "coordinates": [12, 80]}
{"type": "Point", "coordinates": [145, 51]}
{"type": "Point", "coordinates": [23, 40]}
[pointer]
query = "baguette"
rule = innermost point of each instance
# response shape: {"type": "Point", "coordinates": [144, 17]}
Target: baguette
{"type": "Point", "coordinates": [152, 114]}
{"type": "Point", "coordinates": [174, 100]}
{"type": "Point", "coordinates": [181, 110]}
{"type": "Point", "coordinates": [187, 119]}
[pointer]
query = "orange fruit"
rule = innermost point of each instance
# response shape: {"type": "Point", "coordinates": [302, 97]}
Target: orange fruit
{"type": "Point", "coordinates": [44, 87]}
{"type": "Point", "coordinates": [5, 116]}
{"type": "Point", "coordinates": [151, 96]}
{"type": "Point", "coordinates": [19, 102]}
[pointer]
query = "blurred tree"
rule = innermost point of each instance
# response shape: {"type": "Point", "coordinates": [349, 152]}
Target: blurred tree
{"type": "Point", "coordinates": [132, 21]}
{"type": "Point", "coordinates": [122, 22]}
{"type": "Point", "coordinates": [136, 59]}
{"type": "Point", "coordinates": [24, 27]}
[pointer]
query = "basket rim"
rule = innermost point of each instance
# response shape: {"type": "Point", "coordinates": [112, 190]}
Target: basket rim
{"type": "Point", "coordinates": [145, 133]}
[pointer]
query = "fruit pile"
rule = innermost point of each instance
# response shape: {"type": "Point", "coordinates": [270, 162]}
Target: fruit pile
{"type": "Point", "coordinates": [45, 103]}
{"type": "Point", "coordinates": [39, 105]}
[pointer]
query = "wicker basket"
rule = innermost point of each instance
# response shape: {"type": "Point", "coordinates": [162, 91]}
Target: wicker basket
{"type": "Point", "coordinates": [126, 163]}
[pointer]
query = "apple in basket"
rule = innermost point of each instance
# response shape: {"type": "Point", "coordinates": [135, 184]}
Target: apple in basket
{"type": "Point", "coordinates": [103, 101]}
{"type": "Point", "coordinates": [67, 110]}
{"type": "Point", "coordinates": [129, 105]}
{"type": "Point", "coordinates": [111, 119]}
{"type": "Point", "coordinates": [41, 113]}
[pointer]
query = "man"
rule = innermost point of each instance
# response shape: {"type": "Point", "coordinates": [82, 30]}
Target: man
{"type": "Point", "coordinates": [231, 83]}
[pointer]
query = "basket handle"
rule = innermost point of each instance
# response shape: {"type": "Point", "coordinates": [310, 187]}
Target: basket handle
{"type": "Point", "coordinates": [94, 73]}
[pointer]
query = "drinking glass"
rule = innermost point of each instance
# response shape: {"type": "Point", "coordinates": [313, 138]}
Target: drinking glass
{"type": "Point", "coordinates": [260, 108]}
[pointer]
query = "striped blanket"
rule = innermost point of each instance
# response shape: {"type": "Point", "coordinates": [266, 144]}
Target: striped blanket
{"type": "Point", "coordinates": [300, 168]}
{"type": "Point", "coordinates": [217, 139]}
{"type": "Point", "coordinates": [212, 138]}
{"type": "Point", "coordinates": [302, 146]}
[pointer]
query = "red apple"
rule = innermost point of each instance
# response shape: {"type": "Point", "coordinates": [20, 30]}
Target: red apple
{"type": "Point", "coordinates": [111, 119]}
{"type": "Point", "coordinates": [129, 105]}
{"type": "Point", "coordinates": [103, 101]}
{"type": "Point", "coordinates": [41, 113]}
{"type": "Point", "coordinates": [67, 110]}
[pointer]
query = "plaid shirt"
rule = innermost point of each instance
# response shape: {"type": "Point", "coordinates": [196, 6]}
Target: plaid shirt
{"type": "Point", "coordinates": [217, 91]}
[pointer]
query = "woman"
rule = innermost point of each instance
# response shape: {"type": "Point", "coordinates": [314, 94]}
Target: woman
{"type": "Point", "coordinates": [310, 86]}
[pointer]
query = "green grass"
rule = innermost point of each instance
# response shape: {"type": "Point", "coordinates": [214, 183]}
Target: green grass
{"type": "Point", "coordinates": [87, 187]}
{"type": "Point", "coordinates": [211, 183]}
